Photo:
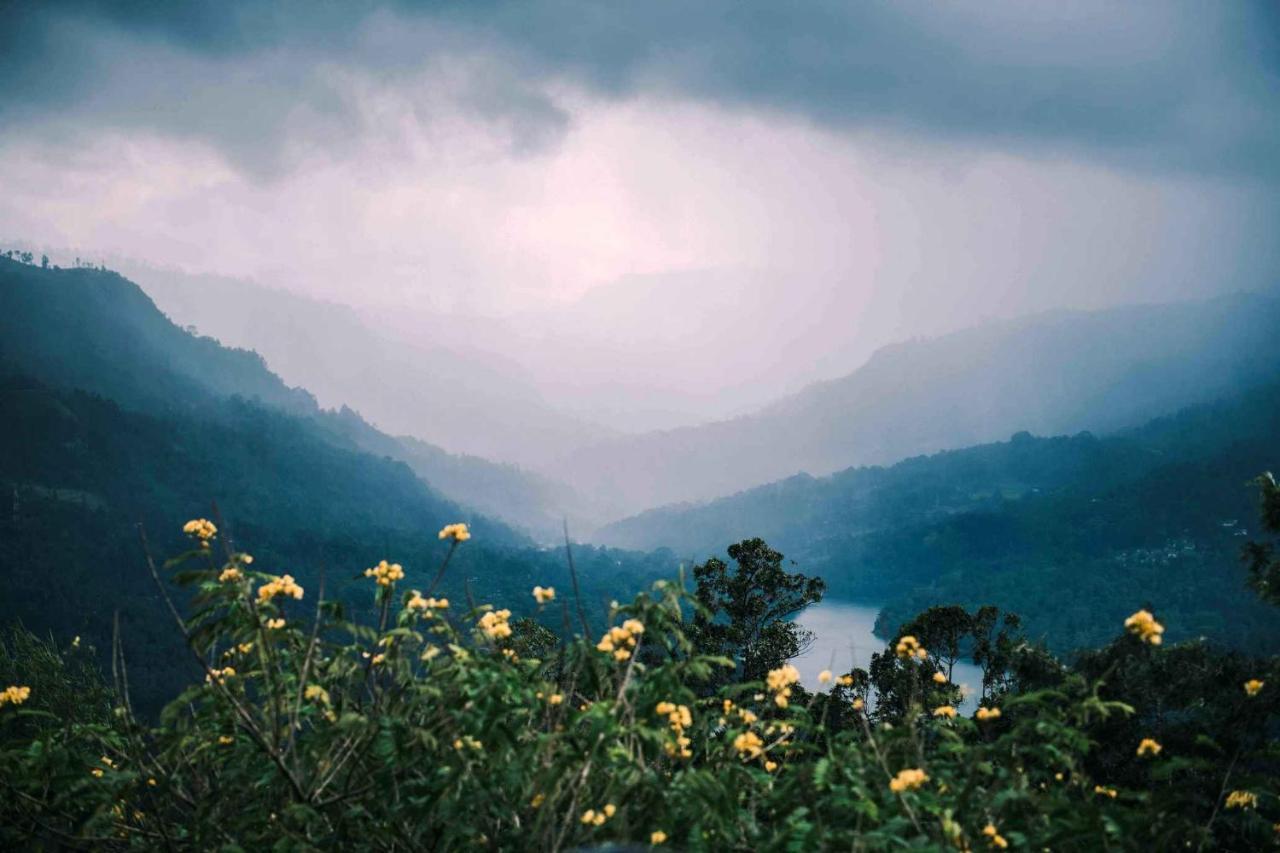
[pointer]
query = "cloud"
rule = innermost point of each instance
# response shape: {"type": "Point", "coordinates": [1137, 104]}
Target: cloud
{"type": "Point", "coordinates": [1168, 86]}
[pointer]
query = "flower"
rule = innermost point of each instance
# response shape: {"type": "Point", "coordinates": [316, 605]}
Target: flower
{"type": "Point", "coordinates": [909, 647]}
{"type": "Point", "coordinates": [620, 638]}
{"type": "Point", "coordinates": [657, 837]}
{"type": "Point", "coordinates": [229, 575]}
{"type": "Point", "coordinates": [591, 817]}
{"type": "Point", "coordinates": [220, 675]}
{"type": "Point", "coordinates": [985, 714]}
{"type": "Point", "coordinates": [1145, 627]}
{"type": "Point", "coordinates": [315, 691]}
{"type": "Point", "coordinates": [1253, 687]}
{"type": "Point", "coordinates": [908, 780]}
{"type": "Point", "coordinates": [825, 676]}
{"type": "Point", "coordinates": [283, 585]}
{"type": "Point", "coordinates": [467, 741]}
{"type": "Point", "coordinates": [378, 658]}
{"type": "Point", "coordinates": [14, 695]}
{"type": "Point", "coordinates": [494, 624]}
{"type": "Point", "coordinates": [846, 680]}
{"type": "Point", "coordinates": [939, 678]}
{"type": "Point", "coordinates": [543, 594]}
{"type": "Point", "coordinates": [782, 677]}
{"type": "Point", "coordinates": [993, 835]}
{"type": "Point", "coordinates": [555, 698]}
{"type": "Point", "coordinates": [226, 740]}
{"type": "Point", "coordinates": [417, 602]}
{"type": "Point", "coordinates": [456, 532]}
{"type": "Point", "coordinates": [97, 771]}
{"type": "Point", "coordinates": [1148, 747]}
{"type": "Point", "coordinates": [1242, 800]}
{"type": "Point", "coordinates": [770, 766]}
{"type": "Point", "coordinates": [1105, 791]}
{"type": "Point", "coordinates": [385, 574]}
{"type": "Point", "coordinates": [202, 529]}
{"type": "Point", "coordinates": [748, 745]}
{"type": "Point", "coordinates": [275, 624]}
{"type": "Point", "coordinates": [945, 711]}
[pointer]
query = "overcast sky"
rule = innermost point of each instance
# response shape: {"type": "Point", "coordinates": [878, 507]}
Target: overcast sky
{"type": "Point", "coordinates": [843, 173]}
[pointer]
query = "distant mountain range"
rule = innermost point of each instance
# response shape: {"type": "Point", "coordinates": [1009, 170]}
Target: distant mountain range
{"type": "Point", "coordinates": [1054, 373]}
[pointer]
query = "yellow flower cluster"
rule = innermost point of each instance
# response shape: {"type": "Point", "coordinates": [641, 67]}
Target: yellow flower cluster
{"type": "Point", "coordinates": [947, 711]}
{"type": "Point", "coordinates": [284, 585]}
{"type": "Point", "coordinates": [1253, 687]}
{"type": "Point", "coordinates": [749, 745]}
{"type": "Point", "coordinates": [657, 837]}
{"type": "Point", "coordinates": [494, 624]}
{"type": "Point", "coordinates": [621, 639]}
{"type": "Point", "coordinates": [544, 594]}
{"type": "Point", "coordinates": [825, 676]}
{"type": "Point", "coordinates": [591, 817]}
{"type": "Point", "coordinates": [385, 574]}
{"type": "Point", "coordinates": [908, 780]}
{"type": "Point", "coordinates": [1105, 791]}
{"type": "Point", "coordinates": [230, 574]}
{"type": "Point", "coordinates": [200, 528]}
{"type": "Point", "coordinates": [14, 695]}
{"type": "Point", "coordinates": [316, 692]}
{"type": "Point", "coordinates": [1145, 627]}
{"type": "Point", "coordinates": [909, 647]}
{"type": "Point", "coordinates": [939, 678]}
{"type": "Point", "coordinates": [779, 681]}
{"type": "Point", "coordinates": [220, 675]}
{"type": "Point", "coordinates": [1242, 800]}
{"type": "Point", "coordinates": [275, 624]}
{"type": "Point", "coordinates": [457, 532]}
{"type": "Point", "coordinates": [985, 714]}
{"type": "Point", "coordinates": [1148, 747]}
{"type": "Point", "coordinates": [679, 717]}
{"type": "Point", "coordinates": [417, 602]}
{"type": "Point", "coordinates": [993, 835]}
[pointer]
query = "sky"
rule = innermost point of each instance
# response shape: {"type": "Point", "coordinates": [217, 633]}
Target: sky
{"type": "Point", "coordinates": [667, 211]}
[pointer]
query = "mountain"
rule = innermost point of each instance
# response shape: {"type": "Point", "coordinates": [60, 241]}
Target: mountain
{"type": "Point", "coordinates": [1067, 531]}
{"type": "Point", "coordinates": [114, 418]}
{"type": "Point", "coordinates": [1054, 373]}
{"type": "Point", "coordinates": [465, 400]}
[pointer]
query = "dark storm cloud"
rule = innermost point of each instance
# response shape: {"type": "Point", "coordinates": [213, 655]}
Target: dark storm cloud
{"type": "Point", "coordinates": [1162, 86]}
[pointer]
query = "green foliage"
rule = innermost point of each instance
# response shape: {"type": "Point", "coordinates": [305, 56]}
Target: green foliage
{"type": "Point", "coordinates": [433, 726]}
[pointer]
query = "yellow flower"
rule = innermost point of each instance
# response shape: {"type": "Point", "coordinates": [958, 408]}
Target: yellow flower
{"type": "Point", "coordinates": [908, 780]}
{"type": "Point", "coordinates": [200, 528]}
{"type": "Point", "coordinates": [825, 676]}
{"type": "Point", "coordinates": [610, 810]}
{"type": "Point", "coordinates": [1104, 791]}
{"type": "Point", "coordinates": [846, 680]}
{"type": "Point", "coordinates": [555, 699]}
{"type": "Point", "coordinates": [748, 745]}
{"type": "Point", "coordinates": [275, 624]}
{"type": "Point", "coordinates": [985, 714]}
{"type": "Point", "coordinates": [14, 695]}
{"type": "Point", "coordinates": [1148, 747]}
{"type": "Point", "coordinates": [664, 708]}
{"type": "Point", "coordinates": [283, 585]}
{"type": "Point", "coordinates": [858, 704]}
{"type": "Point", "coordinates": [1145, 627]}
{"type": "Point", "coordinates": [1253, 686]}
{"type": "Point", "coordinates": [220, 675]}
{"type": "Point", "coordinates": [993, 836]}
{"type": "Point", "coordinates": [591, 817]}
{"type": "Point", "coordinates": [1242, 800]}
{"type": "Point", "coordinates": [230, 574]}
{"type": "Point", "coordinates": [417, 602]}
{"type": "Point", "coordinates": [945, 711]}
{"type": "Point", "coordinates": [621, 655]}
{"type": "Point", "coordinates": [152, 782]}
{"type": "Point", "coordinates": [782, 677]}
{"type": "Point", "coordinates": [378, 658]}
{"type": "Point", "coordinates": [633, 626]}
{"type": "Point", "coordinates": [909, 647]}
{"type": "Point", "coordinates": [543, 594]}
{"type": "Point", "coordinates": [939, 678]}
{"type": "Point", "coordinates": [457, 532]}
{"type": "Point", "coordinates": [315, 691]}
{"type": "Point", "coordinates": [657, 837]}
{"type": "Point", "coordinates": [385, 574]}
{"type": "Point", "coordinates": [226, 740]}
{"type": "Point", "coordinates": [97, 771]}
{"type": "Point", "coordinates": [770, 766]}
{"type": "Point", "coordinates": [468, 741]}
{"type": "Point", "coordinates": [494, 624]}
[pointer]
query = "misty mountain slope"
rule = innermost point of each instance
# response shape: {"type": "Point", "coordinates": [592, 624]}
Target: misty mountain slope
{"type": "Point", "coordinates": [1067, 531]}
{"type": "Point", "coordinates": [97, 331]}
{"type": "Point", "coordinates": [469, 402]}
{"type": "Point", "coordinates": [1054, 373]}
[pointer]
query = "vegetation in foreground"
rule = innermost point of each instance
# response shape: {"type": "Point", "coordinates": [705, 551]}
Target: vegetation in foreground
{"type": "Point", "coordinates": [678, 723]}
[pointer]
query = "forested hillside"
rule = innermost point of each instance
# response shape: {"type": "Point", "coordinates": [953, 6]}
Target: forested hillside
{"type": "Point", "coordinates": [1050, 374]}
{"type": "Point", "coordinates": [1052, 528]}
{"type": "Point", "coordinates": [80, 472]}
{"type": "Point", "coordinates": [95, 330]}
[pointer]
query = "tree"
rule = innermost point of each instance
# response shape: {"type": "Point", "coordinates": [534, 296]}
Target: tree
{"type": "Point", "coordinates": [1264, 567]}
{"type": "Point", "coordinates": [747, 611]}
{"type": "Point", "coordinates": [943, 631]}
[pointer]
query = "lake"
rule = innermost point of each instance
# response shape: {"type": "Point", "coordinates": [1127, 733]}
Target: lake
{"type": "Point", "coordinates": [844, 639]}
